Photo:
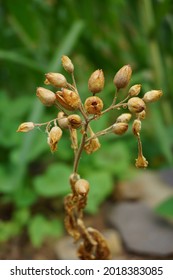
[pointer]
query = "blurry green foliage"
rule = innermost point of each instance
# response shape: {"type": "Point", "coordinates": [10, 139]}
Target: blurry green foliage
{"type": "Point", "coordinates": [95, 34]}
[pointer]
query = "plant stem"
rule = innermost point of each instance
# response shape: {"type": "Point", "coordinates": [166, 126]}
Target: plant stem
{"type": "Point", "coordinates": [79, 152]}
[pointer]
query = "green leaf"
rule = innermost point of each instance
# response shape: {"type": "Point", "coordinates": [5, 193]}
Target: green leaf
{"type": "Point", "coordinates": [24, 197]}
{"type": "Point", "coordinates": [101, 185]}
{"type": "Point", "coordinates": [39, 228]}
{"type": "Point", "coordinates": [114, 157]}
{"type": "Point", "coordinates": [55, 182]}
{"type": "Point", "coordinates": [8, 230]}
{"type": "Point", "coordinates": [21, 216]}
{"type": "Point", "coordinates": [165, 209]}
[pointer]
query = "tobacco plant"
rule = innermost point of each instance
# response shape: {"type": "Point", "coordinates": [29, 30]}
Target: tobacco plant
{"type": "Point", "coordinates": [77, 116]}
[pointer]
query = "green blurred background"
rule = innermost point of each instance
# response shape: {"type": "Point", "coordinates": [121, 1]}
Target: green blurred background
{"type": "Point", "coordinates": [94, 34]}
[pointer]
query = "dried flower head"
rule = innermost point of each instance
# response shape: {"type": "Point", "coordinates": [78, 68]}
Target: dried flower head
{"type": "Point", "coordinates": [93, 105]}
{"type": "Point", "coordinates": [96, 81]}
{"type": "Point", "coordinates": [152, 95]}
{"type": "Point", "coordinates": [68, 99]}
{"type": "Point", "coordinates": [74, 121]}
{"type": "Point", "coordinates": [119, 128]}
{"type": "Point", "coordinates": [141, 162]}
{"type": "Point", "coordinates": [47, 97]}
{"type": "Point", "coordinates": [134, 90]}
{"type": "Point", "coordinates": [56, 79]}
{"type": "Point", "coordinates": [122, 77]}
{"type": "Point", "coordinates": [124, 118]}
{"type": "Point", "coordinates": [136, 105]}
{"type": "Point", "coordinates": [25, 127]}
{"type": "Point", "coordinates": [54, 136]}
{"type": "Point", "coordinates": [67, 64]}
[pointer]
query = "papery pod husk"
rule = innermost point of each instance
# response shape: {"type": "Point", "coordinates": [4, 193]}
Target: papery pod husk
{"type": "Point", "coordinates": [61, 100]}
{"type": "Point", "coordinates": [92, 146]}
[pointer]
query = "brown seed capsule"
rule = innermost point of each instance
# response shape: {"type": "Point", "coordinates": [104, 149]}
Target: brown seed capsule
{"type": "Point", "coordinates": [134, 90]}
{"type": "Point", "coordinates": [82, 187]}
{"type": "Point", "coordinates": [136, 127]}
{"type": "Point", "coordinates": [93, 105]}
{"type": "Point", "coordinates": [92, 146]}
{"type": "Point", "coordinates": [68, 99]}
{"type": "Point", "coordinates": [67, 64]}
{"type": "Point", "coordinates": [152, 95]}
{"type": "Point", "coordinates": [54, 136]}
{"type": "Point", "coordinates": [136, 105]}
{"type": "Point", "coordinates": [122, 77]}
{"type": "Point", "coordinates": [74, 121]}
{"type": "Point", "coordinates": [124, 118]}
{"type": "Point", "coordinates": [62, 120]}
{"type": "Point", "coordinates": [96, 81]}
{"type": "Point", "coordinates": [46, 96]}
{"type": "Point", "coordinates": [141, 115]}
{"type": "Point", "coordinates": [25, 127]}
{"type": "Point", "coordinates": [56, 79]}
{"type": "Point", "coordinates": [119, 128]}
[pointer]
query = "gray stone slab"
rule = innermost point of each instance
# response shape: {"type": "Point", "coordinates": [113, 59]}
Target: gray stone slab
{"type": "Point", "coordinates": [141, 229]}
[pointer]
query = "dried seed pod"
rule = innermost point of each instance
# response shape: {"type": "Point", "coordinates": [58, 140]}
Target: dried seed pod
{"type": "Point", "coordinates": [74, 121]}
{"type": "Point", "coordinates": [93, 105]}
{"type": "Point", "coordinates": [96, 81]}
{"type": "Point", "coordinates": [82, 187]}
{"type": "Point", "coordinates": [152, 95]}
{"type": "Point", "coordinates": [56, 79]}
{"type": "Point", "coordinates": [67, 64]}
{"type": "Point", "coordinates": [74, 177]}
{"type": "Point", "coordinates": [141, 115]}
{"type": "Point", "coordinates": [136, 127]}
{"type": "Point", "coordinates": [122, 77]}
{"type": "Point", "coordinates": [119, 128]}
{"type": "Point", "coordinates": [135, 90]}
{"type": "Point", "coordinates": [62, 120]}
{"type": "Point", "coordinates": [68, 99]}
{"type": "Point", "coordinates": [25, 127]}
{"type": "Point", "coordinates": [92, 146]}
{"type": "Point", "coordinates": [47, 97]}
{"type": "Point", "coordinates": [54, 136]}
{"type": "Point", "coordinates": [124, 118]}
{"type": "Point", "coordinates": [136, 105]}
